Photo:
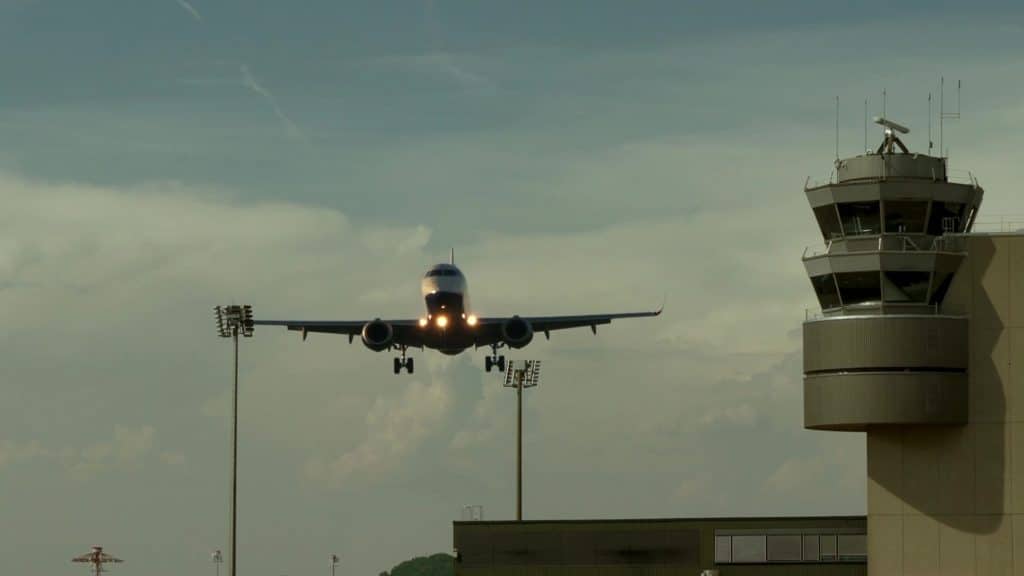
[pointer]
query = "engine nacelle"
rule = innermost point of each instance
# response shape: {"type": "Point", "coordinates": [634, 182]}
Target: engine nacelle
{"type": "Point", "coordinates": [378, 335]}
{"type": "Point", "coordinates": [516, 332]}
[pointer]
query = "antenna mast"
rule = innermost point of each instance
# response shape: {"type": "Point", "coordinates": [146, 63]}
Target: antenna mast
{"type": "Point", "coordinates": [865, 124]}
{"type": "Point", "coordinates": [837, 128]}
{"type": "Point", "coordinates": [929, 123]}
{"type": "Point", "coordinates": [943, 115]}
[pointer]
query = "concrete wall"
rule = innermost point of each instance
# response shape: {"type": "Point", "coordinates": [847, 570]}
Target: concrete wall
{"type": "Point", "coordinates": [950, 500]}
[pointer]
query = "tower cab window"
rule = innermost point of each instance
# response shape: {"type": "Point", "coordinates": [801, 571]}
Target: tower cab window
{"type": "Point", "coordinates": [902, 217]}
{"type": "Point", "coordinates": [825, 288]}
{"type": "Point", "coordinates": [946, 217]}
{"type": "Point", "coordinates": [859, 218]}
{"type": "Point", "coordinates": [859, 287]}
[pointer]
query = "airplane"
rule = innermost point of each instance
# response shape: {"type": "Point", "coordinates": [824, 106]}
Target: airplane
{"type": "Point", "coordinates": [97, 558]}
{"type": "Point", "coordinates": [449, 326]}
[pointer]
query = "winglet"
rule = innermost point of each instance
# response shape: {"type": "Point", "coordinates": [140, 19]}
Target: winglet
{"type": "Point", "coordinates": [661, 308]}
{"type": "Point", "coordinates": [451, 257]}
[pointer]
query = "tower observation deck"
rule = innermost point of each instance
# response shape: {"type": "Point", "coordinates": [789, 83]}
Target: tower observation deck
{"type": "Point", "coordinates": [883, 351]}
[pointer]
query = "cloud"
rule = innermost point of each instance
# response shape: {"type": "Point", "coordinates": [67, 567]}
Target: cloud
{"type": "Point", "coordinates": [12, 453]}
{"type": "Point", "coordinates": [250, 82]}
{"type": "Point", "coordinates": [445, 61]}
{"type": "Point", "coordinates": [395, 427]}
{"type": "Point", "coordinates": [129, 446]}
{"type": "Point", "coordinates": [173, 458]}
{"type": "Point", "coordinates": [191, 10]}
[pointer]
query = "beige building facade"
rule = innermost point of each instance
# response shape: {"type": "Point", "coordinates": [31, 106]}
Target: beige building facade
{"type": "Point", "coordinates": [950, 499]}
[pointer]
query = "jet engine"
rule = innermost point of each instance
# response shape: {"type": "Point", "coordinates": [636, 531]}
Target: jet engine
{"type": "Point", "coordinates": [378, 335]}
{"type": "Point", "coordinates": [516, 332]}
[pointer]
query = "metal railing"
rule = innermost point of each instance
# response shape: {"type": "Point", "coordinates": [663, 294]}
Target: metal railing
{"type": "Point", "coordinates": [1000, 223]}
{"type": "Point", "coordinates": [953, 176]}
{"type": "Point", "coordinates": [872, 309]}
{"type": "Point", "coordinates": [894, 243]}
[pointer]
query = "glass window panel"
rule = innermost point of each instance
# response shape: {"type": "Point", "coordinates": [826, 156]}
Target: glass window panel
{"type": "Point", "coordinates": [723, 549]}
{"type": "Point", "coordinates": [828, 221]}
{"type": "Point", "coordinates": [859, 287]}
{"type": "Point", "coordinates": [784, 548]}
{"type": "Point", "coordinates": [749, 549]}
{"type": "Point", "coordinates": [811, 547]}
{"type": "Point", "coordinates": [827, 546]}
{"type": "Point", "coordinates": [825, 288]}
{"type": "Point", "coordinates": [946, 217]}
{"type": "Point", "coordinates": [853, 546]}
{"type": "Point", "coordinates": [941, 287]}
{"type": "Point", "coordinates": [906, 286]}
{"type": "Point", "coordinates": [906, 217]}
{"type": "Point", "coordinates": [859, 218]}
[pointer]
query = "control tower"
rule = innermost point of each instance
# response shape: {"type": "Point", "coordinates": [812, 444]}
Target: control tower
{"type": "Point", "coordinates": [921, 318]}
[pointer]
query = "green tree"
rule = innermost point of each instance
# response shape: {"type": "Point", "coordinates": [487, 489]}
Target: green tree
{"type": "Point", "coordinates": [435, 565]}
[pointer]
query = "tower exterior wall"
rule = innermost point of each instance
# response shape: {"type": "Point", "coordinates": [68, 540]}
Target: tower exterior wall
{"type": "Point", "coordinates": [950, 499]}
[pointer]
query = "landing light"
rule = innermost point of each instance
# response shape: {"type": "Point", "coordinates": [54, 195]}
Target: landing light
{"type": "Point", "coordinates": [471, 320]}
{"type": "Point", "coordinates": [442, 321]}
{"type": "Point", "coordinates": [423, 322]}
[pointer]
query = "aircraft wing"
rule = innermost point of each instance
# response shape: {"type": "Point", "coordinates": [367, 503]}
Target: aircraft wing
{"type": "Point", "coordinates": [404, 329]}
{"type": "Point", "coordinates": [547, 324]}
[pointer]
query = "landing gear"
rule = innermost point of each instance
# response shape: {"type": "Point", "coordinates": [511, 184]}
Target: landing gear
{"type": "Point", "coordinates": [494, 360]}
{"type": "Point", "coordinates": [403, 362]}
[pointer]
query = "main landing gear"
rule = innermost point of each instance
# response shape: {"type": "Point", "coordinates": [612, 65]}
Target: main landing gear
{"type": "Point", "coordinates": [403, 362]}
{"type": "Point", "coordinates": [494, 360]}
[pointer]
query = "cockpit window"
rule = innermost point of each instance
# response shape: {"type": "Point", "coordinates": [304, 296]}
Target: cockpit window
{"type": "Point", "coordinates": [442, 272]}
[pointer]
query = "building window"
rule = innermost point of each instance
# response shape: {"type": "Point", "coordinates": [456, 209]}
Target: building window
{"type": "Point", "coordinates": [784, 548]}
{"type": "Point", "coordinates": [723, 549]}
{"type": "Point", "coordinates": [853, 547]}
{"type": "Point", "coordinates": [946, 217]}
{"type": "Point", "coordinates": [859, 287]}
{"type": "Point", "coordinates": [749, 549]}
{"type": "Point", "coordinates": [799, 546]}
{"type": "Point", "coordinates": [941, 288]}
{"type": "Point", "coordinates": [811, 547]}
{"type": "Point", "coordinates": [906, 286]}
{"type": "Point", "coordinates": [828, 221]}
{"type": "Point", "coordinates": [825, 288]}
{"type": "Point", "coordinates": [903, 217]}
{"type": "Point", "coordinates": [859, 218]}
{"type": "Point", "coordinates": [827, 547]}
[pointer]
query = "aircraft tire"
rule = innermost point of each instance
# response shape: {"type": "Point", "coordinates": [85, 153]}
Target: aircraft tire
{"type": "Point", "coordinates": [398, 366]}
{"type": "Point", "coordinates": [409, 365]}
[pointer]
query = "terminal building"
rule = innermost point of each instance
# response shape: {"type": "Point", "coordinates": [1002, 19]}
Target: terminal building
{"type": "Point", "coordinates": [920, 319]}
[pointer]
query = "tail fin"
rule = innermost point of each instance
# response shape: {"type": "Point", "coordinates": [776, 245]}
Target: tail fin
{"type": "Point", "coordinates": [451, 257]}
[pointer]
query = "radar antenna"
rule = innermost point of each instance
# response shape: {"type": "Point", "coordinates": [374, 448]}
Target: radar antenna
{"type": "Point", "coordinates": [891, 139]}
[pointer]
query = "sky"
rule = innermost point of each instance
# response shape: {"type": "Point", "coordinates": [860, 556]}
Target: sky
{"type": "Point", "coordinates": [159, 158]}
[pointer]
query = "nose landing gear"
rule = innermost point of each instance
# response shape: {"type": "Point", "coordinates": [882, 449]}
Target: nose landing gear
{"type": "Point", "coordinates": [494, 360]}
{"type": "Point", "coordinates": [403, 362]}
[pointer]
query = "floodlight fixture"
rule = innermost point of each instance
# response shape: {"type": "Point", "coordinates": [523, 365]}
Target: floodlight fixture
{"type": "Point", "coordinates": [527, 376]}
{"type": "Point", "coordinates": [234, 320]}
{"type": "Point", "coordinates": [218, 559]}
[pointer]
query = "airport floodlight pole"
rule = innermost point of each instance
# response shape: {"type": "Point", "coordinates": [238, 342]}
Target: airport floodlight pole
{"type": "Point", "coordinates": [218, 559]}
{"type": "Point", "coordinates": [334, 562]}
{"type": "Point", "coordinates": [526, 377]}
{"type": "Point", "coordinates": [232, 321]}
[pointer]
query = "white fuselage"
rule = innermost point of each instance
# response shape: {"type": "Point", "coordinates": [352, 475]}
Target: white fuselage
{"type": "Point", "coordinates": [445, 292]}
